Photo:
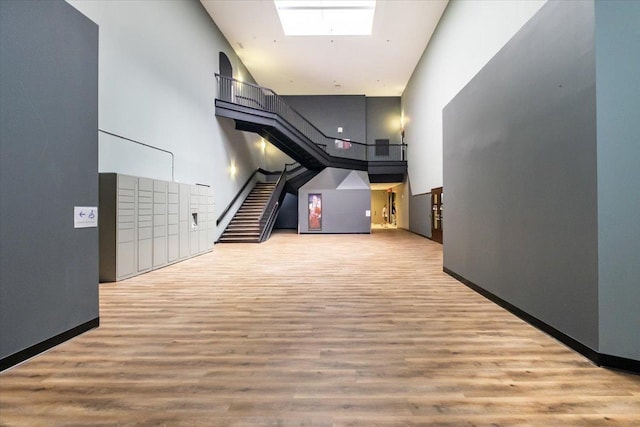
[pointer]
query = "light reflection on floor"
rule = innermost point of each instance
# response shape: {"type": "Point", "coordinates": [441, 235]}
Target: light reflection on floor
{"type": "Point", "coordinates": [382, 226]}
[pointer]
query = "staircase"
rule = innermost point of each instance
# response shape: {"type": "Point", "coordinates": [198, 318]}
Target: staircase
{"type": "Point", "coordinates": [260, 110]}
{"type": "Point", "coordinates": [245, 225]}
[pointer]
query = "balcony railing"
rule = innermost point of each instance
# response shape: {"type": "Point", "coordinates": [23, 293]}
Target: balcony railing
{"type": "Point", "coordinates": [264, 99]}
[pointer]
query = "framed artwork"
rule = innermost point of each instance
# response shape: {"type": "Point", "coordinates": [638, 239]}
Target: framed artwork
{"type": "Point", "coordinates": [315, 212]}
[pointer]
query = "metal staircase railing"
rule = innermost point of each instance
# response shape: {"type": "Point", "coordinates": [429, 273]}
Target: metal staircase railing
{"type": "Point", "coordinates": [264, 99]}
{"type": "Point", "coordinates": [270, 212]}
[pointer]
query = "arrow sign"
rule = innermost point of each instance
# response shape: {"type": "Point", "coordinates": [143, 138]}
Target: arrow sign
{"type": "Point", "coordinates": [83, 220]}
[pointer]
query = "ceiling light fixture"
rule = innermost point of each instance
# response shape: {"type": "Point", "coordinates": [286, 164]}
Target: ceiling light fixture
{"type": "Point", "coordinates": [326, 17]}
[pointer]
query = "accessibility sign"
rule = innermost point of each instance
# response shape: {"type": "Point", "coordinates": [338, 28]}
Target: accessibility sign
{"type": "Point", "coordinates": [85, 216]}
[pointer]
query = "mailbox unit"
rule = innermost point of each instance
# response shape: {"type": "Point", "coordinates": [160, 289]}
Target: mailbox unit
{"type": "Point", "coordinates": [146, 224]}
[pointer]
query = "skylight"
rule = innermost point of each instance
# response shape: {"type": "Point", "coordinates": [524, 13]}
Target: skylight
{"type": "Point", "coordinates": [326, 17]}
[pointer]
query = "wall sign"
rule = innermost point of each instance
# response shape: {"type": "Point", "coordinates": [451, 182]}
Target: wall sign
{"type": "Point", "coordinates": [85, 216]}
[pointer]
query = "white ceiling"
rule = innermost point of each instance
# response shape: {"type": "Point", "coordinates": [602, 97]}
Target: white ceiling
{"type": "Point", "coordinates": [376, 65]}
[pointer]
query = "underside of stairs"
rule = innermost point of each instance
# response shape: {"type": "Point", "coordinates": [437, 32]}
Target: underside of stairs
{"type": "Point", "coordinates": [245, 226]}
{"type": "Point", "coordinates": [296, 145]}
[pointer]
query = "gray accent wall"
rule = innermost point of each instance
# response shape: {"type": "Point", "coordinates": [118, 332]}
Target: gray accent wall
{"type": "Point", "coordinates": [346, 197]}
{"type": "Point", "coordinates": [48, 165]}
{"type": "Point", "coordinates": [383, 119]}
{"type": "Point", "coordinates": [288, 213]}
{"type": "Point", "coordinates": [618, 108]}
{"type": "Point", "coordinates": [468, 35]}
{"type": "Point", "coordinates": [363, 119]}
{"type": "Point", "coordinates": [520, 173]}
{"type": "Point", "coordinates": [328, 112]}
{"type": "Point", "coordinates": [420, 214]}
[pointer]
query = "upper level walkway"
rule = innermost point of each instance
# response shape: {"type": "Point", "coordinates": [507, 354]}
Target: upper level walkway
{"type": "Point", "coordinates": [260, 110]}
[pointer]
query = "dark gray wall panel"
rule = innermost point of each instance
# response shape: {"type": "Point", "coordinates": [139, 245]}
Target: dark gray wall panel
{"type": "Point", "coordinates": [520, 173]}
{"type": "Point", "coordinates": [288, 214]}
{"type": "Point", "coordinates": [328, 112]}
{"type": "Point", "coordinates": [343, 210]}
{"type": "Point", "coordinates": [48, 165]}
{"type": "Point", "coordinates": [420, 214]}
{"type": "Point", "coordinates": [618, 103]}
{"type": "Point", "coordinates": [383, 119]}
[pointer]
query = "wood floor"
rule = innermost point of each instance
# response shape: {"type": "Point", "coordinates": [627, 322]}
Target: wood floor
{"type": "Point", "coordinates": [307, 330]}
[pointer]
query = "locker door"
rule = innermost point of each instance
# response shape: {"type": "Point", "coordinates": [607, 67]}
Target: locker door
{"type": "Point", "coordinates": [194, 221]}
{"type": "Point", "coordinates": [173, 222]}
{"type": "Point", "coordinates": [159, 224]}
{"type": "Point", "coordinates": [183, 216]}
{"type": "Point", "coordinates": [211, 220]}
{"type": "Point", "coordinates": [203, 209]}
{"type": "Point", "coordinates": [145, 224]}
{"type": "Point", "coordinates": [126, 227]}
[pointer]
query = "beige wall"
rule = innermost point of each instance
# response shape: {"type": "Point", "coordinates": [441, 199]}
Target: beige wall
{"type": "Point", "coordinates": [380, 197]}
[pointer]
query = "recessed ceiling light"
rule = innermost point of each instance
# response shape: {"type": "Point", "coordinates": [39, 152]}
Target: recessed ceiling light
{"type": "Point", "coordinates": [326, 17]}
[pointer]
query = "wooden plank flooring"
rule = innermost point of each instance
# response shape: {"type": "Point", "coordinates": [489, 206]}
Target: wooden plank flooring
{"type": "Point", "coordinates": [307, 330]}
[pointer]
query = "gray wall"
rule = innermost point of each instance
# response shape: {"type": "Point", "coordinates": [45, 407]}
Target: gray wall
{"type": "Point", "coordinates": [343, 205]}
{"type": "Point", "coordinates": [288, 214]}
{"type": "Point", "coordinates": [383, 119]}
{"type": "Point", "coordinates": [520, 173]}
{"type": "Point", "coordinates": [420, 214]}
{"type": "Point", "coordinates": [363, 119]}
{"type": "Point", "coordinates": [328, 112]}
{"type": "Point", "coordinates": [618, 106]}
{"type": "Point", "coordinates": [48, 165]}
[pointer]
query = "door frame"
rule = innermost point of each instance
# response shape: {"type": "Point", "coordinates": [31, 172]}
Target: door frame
{"type": "Point", "coordinates": [436, 214]}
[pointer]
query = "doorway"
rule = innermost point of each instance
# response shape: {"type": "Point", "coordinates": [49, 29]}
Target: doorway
{"type": "Point", "coordinates": [436, 214]}
{"type": "Point", "coordinates": [383, 211]}
{"type": "Point", "coordinates": [224, 65]}
{"type": "Point", "coordinates": [393, 220]}
{"type": "Point", "coordinates": [226, 73]}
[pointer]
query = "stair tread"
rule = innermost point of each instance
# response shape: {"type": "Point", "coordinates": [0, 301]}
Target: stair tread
{"type": "Point", "coordinates": [245, 225]}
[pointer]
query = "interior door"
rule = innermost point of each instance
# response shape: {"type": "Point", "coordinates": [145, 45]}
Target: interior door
{"type": "Point", "coordinates": [436, 214]}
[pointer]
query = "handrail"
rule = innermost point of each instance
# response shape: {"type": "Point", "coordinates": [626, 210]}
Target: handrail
{"type": "Point", "coordinates": [235, 199]}
{"type": "Point", "coordinates": [292, 167]}
{"type": "Point", "coordinates": [237, 196]}
{"type": "Point", "coordinates": [239, 94]}
{"type": "Point", "coordinates": [251, 95]}
{"type": "Point", "coordinates": [268, 227]}
{"type": "Point", "coordinates": [144, 145]}
{"type": "Point", "coordinates": [272, 205]}
{"type": "Point", "coordinates": [293, 170]}
{"type": "Point", "coordinates": [279, 183]}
